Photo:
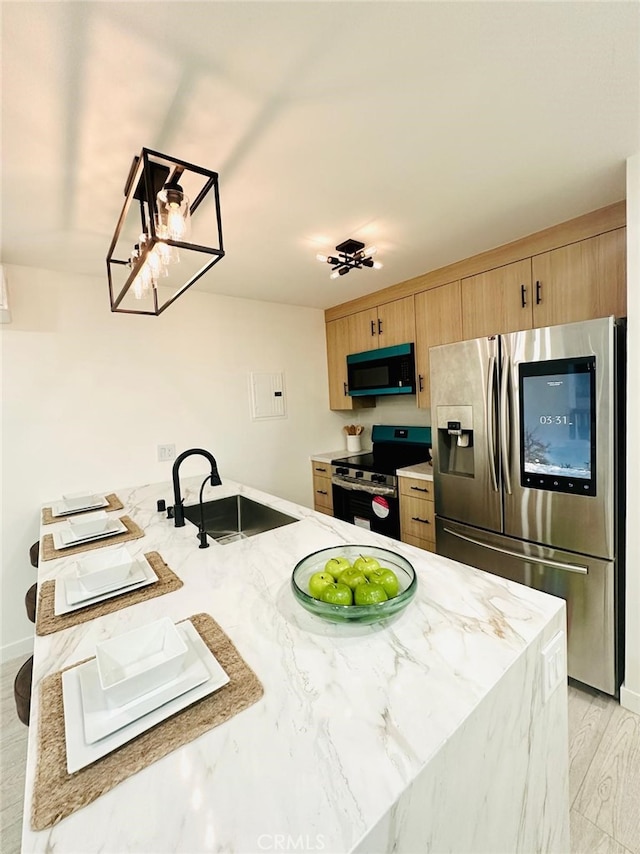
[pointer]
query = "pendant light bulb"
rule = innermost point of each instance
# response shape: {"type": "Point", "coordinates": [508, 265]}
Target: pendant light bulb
{"type": "Point", "coordinates": [335, 274]}
{"type": "Point", "coordinates": [174, 212]}
{"type": "Point", "coordinates": [321, 257]}
{"type": "Point", "coordinates": [377, 265]}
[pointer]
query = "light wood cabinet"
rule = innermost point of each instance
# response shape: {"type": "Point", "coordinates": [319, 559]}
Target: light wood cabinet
{"type": "Point", "coordinates": [322, 492]}
{"type": "Point", "coordinates": [340, 339]}
{"type": "Point", "coordinates": [438, 314]}
{"type": "Point", "coordinates": [417, 513]}
{"type": "Point", "coordinates": [497, 301]}
{"type": "Point", "coordinates": [389, 324]}
{"type": "Point", "coordinates": [581, 281]}
{"type": "Point", "coordinates": [385, 326]}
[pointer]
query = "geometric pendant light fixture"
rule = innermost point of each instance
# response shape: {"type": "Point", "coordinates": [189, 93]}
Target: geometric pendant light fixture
{"type": "Point", "coordinates": [162, 242]}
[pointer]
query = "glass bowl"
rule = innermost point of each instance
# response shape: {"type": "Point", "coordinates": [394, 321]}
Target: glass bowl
{"type": "Point", "coordinates": [316, 561]}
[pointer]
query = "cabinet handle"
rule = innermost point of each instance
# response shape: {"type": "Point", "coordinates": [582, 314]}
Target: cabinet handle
{"type": "Point", "coordinates": [379, 327]}
{"type": "Point", "coordinates": [538, 293]}
{"type": "Point", "coordinates": [418, 519]}
{"type": "Point", "coordinates": [373, 327]}
{"type": "Point", "coordinates": [523, 296]}
{"type": "Point", "coordinates": [321, 491]}
{"type": "Point", "coordinates": [420, 488]}
{"type": "Point", "coordinates": [319, 469]}
{"type": "Point", "coordinates": [345, 388]}
{"type": "Point", "coordinates": [420, 383]}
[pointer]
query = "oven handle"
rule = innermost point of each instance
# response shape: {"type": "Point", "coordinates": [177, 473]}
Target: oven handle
{"type": "Point", "coordinates": [364, 487]}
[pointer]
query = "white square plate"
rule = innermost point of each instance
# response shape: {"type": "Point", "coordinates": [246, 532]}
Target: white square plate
{"type": "Point", "coordinates": [65, 538]}
{"type": "Point", "coordinates": [80, 753]}
{"type": "Point", "coordinates": [104, 569]}
{"type": "Point", "coordinates": [101, 719]}
{"type": "Point", "coordinates": [70, 595]}
{"type": "Point", "coordinates": [65, 506]}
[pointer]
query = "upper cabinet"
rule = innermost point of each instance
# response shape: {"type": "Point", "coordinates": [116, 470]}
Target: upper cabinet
{"type": "Point", "coordinates": [497, 301]}
{"type": "Point", "coordinates": [438, 321]}
{"type": "Point", "coordinates": [569, 272]}
{"type": "Point", "coordinates": [384, 326]}
{"type": "Point", "coordinates": [581, 281]}
{"type": "Point", "coordinates": [339, 344]}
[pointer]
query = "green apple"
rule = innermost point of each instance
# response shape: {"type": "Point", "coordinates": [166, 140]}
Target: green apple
{"type": "Point", "coordinates": [387, 579]}
{"type": "Point", "coordinates": [366, 563]}
{"type": "Point", "coordinates": [337, 594]}
{"type": "Point", "coordinates": [370, 593]}
{"type": "Point", "coordinates": [318, 582]}
{"type": "Point", "coordinates": [335, 565]}
{"type": "Point", "coordinates": [352, 577]}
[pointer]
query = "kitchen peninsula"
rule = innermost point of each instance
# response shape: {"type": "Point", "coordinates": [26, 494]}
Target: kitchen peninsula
{"type": "Point", "coordinates": [429, 733]}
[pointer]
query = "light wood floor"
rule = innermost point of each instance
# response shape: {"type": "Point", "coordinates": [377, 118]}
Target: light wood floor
{"type": "Point", "coordinates": [604, 771]}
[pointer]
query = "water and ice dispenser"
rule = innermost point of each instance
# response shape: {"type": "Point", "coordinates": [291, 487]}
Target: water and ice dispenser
{"type": "Point", "coordinates": [455, 440]}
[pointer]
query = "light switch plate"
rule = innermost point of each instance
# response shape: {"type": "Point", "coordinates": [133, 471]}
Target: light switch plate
{"type": "Point", "coordinates": [554, 667]}
{"type": "Point", "coordinates": [166, 453]}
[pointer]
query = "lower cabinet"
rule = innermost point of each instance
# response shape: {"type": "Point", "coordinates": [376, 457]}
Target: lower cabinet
{"type": "Point", "coordinates": [417, 516]}
{"type": "Point", "coordinates": [322, 494]}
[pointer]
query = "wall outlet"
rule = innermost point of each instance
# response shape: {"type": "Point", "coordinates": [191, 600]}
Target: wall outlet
{"type": "Point", "coordinates": [166, 453]}
{"type": "Point", "coordinates": [554, 668]}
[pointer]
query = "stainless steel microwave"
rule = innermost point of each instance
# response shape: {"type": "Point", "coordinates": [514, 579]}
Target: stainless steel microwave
{"type": "Point", "coordinates": [389, 370]}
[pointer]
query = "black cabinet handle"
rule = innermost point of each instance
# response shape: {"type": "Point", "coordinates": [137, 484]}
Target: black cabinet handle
{"type": "Point", "coordinates": [538, 293]}
{"type": "Point", "coordinates": [418, 519]}
{"type": "Point", "coordinates": [379, 327]}
{"type": "Point", "coordinates": [523, 296]}
{"type": "Point", "coordinates": [373, 328]}
{"type": "Point", "coordinates": [321, 491]}
{"type": "Point", "coordinates": [317, 468]}
{"type": "Point", "coordinates": [345, 388]}
{"type": "Point", "coordinates": [420, 383]}
{"type": "Point", "coordinates": [420, 488]}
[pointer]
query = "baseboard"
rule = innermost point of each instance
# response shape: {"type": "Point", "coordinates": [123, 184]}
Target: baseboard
{"type": "Point", "coordinates": [16, 649]}
{"type": "Point", "coordinates": [630, 700]}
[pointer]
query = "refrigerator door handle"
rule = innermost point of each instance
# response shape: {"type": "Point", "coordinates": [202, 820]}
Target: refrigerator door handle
{"type": "Point", "coordinates": [491, 451]}
{"type": "Point", "coordinates": [505, 427]}
{"type": "Point", "coordinates": [555, 564]}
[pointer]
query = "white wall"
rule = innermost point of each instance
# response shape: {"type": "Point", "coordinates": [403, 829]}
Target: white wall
{"type": "Point", "coordinates": [87, 395]}
{"type": "Point", "coordinates": [630, 691]}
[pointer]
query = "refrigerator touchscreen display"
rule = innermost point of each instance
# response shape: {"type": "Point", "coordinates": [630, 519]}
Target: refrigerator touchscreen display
{"type": "Point", "coordinates": [557, 425]}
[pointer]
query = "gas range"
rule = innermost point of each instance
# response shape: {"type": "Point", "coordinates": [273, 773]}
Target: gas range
{"type": "Point", "coordinates": [393, 448]}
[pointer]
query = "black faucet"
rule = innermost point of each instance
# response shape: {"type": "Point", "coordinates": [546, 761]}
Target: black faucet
{"type": "Point", "coordinates": [178, 509]}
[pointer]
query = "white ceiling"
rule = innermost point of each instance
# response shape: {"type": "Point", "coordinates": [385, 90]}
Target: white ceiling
{"type": "Point", "coordinates": [434, 130]}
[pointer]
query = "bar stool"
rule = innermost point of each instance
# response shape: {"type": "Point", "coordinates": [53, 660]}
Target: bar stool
{"type": "Point", "coordinates": [30, 602]}
{"type": "Point", "coordinates": [34, 554]}
{"type": "Point", "coordinates": [22, 691]}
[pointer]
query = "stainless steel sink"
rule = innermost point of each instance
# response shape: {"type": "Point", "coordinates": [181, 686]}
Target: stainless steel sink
{"type": "Point", "coordinates": [236, 517]}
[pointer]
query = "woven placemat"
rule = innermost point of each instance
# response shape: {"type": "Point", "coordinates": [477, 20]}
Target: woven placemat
{"type": "Point", "coordinates": [114, 504]}
{"type": "Point", "coordinates": [57, 794]}
{"type": "Point", "coordinates": [133, 532]}
{"type": "Point", "coordinates": [48, 622]}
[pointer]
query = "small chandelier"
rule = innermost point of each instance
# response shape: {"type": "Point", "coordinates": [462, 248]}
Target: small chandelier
{"type": "Point", "coordinates": [160, 248]}
{"type": "Point", "coordinates": [352, 255]}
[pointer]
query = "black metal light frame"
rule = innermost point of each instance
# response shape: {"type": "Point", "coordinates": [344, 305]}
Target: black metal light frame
{"type": "Point", "coordinates": [147, 176]}
{"type": "Point", "coordinates": [350, 257]}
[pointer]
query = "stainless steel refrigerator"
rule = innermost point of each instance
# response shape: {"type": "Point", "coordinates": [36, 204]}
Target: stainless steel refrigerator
{"type": "Point", "coordinates": [528, 470]}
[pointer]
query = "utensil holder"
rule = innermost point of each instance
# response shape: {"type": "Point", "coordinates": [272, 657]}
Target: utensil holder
{"type": "Point", "coordinates": [354, 443]}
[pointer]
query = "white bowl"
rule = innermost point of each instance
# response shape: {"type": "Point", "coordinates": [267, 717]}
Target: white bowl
{"type": "Point", "coordinates": [89, 526]}
{"type": "Point", "coordinates": [80, 500]}
{"type": "Point", "coordinates": [137, 662]}
{"type": "Point", "coordinates": [104, 568]}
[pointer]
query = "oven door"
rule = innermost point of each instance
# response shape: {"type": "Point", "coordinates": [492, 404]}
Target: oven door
{"type": "Point", "coordinates": [367, 509]}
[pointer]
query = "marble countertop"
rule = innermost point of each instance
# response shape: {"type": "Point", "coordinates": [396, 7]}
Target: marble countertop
{"type": "Point", "coordinates": [351, 715]}
{"type": "Point", "coordinates": [328, 456]}
{"type": "Point", "coordinates": [421, 471]}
